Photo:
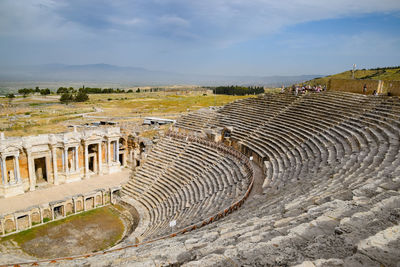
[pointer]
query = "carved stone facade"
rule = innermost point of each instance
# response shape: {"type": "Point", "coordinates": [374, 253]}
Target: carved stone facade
{"type": "Point", "coordinates": [28, 163]}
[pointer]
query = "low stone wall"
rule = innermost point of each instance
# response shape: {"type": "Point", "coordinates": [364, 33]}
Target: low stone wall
{"type": "Point", "coordinates": [55, 210]}
{"type": "Point", "coordinates": [392, 87]}
{"type": "Point", "coordinates": [356, 86]}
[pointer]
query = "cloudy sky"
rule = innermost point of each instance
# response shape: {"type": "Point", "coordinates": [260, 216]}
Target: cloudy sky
{"type": "Point", "coordinates": [234, 37]}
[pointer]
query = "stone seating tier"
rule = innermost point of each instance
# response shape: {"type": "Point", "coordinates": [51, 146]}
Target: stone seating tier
{"type": "Point", "coordinates": [331, 193]}
{"type": "Point", "coordinates": [193, 180]}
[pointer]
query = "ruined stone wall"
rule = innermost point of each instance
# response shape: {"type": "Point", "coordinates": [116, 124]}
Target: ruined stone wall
{"type": "Point", "coordinates": [25, 219]}
{"type": "Point", "coordinates": [356, 86]}
{"type": "Point", "coordinates": [392, 87]}
{"type": "Point", "coordinates": [353, 86]}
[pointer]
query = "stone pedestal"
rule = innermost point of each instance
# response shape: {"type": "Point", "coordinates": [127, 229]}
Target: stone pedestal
{"type": "Point", "coordinates": [11, 190]}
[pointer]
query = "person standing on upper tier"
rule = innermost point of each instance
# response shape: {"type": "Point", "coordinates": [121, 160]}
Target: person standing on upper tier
{"type": "Point", "coordinates": [365, 89]}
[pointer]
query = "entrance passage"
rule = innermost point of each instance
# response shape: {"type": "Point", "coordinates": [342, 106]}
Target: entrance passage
{"type": "Point", "coordinates": [91, 163]}
{"type": "Point", "coordinates": [40, 170]}
{"type": "Point", "coordinates": [59, 212]}
{"type": "Point", "coordinates": [93, 157]}
{"type": "Point", "coordinates": [121, 159]}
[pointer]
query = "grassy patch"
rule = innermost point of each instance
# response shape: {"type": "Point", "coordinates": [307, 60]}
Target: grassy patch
{"type": "Point", "coordinates": [391, 74]}
{"type": "Point", "coordinates": [89, 231]}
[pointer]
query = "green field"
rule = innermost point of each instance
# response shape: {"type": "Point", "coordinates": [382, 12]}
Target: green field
{"type": "Point", "coordinates": [45, 114]}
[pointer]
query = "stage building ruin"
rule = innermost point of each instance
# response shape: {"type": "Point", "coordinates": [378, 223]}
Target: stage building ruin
{"type": "Point", "coordinates": [31, 162]}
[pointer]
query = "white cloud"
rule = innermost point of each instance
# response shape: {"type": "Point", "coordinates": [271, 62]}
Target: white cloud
{"type": "Point", "coordinates": [174, 21]}
{"type": "Point", "coordinates": [224, 21]}
{"type": "Point", "coordinates": [127, 21]}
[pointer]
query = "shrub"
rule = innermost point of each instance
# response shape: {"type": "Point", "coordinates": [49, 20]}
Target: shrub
{"type": "Point", "coordinates": [66, 98]}
{"type": "Point", "coordinates": [81, 97]}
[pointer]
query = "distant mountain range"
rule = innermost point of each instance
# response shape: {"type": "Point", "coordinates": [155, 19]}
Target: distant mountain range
{"type": "Point", "coordinates": [133, 76]}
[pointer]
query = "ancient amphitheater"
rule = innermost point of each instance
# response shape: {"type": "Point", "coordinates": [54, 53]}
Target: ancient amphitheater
{"type": "Point", "coordinates": [277, 180]}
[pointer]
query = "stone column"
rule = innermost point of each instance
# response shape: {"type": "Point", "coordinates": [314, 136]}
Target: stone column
{"type": "Point", "coordinates": [66, 160]}
{"type": "Point", "coordinates": [3, 170]}
{"type": "Point", "coordinates": [74, 201]}
{"type": "Point", "coordinates": [99, 153]}
{"type": "Point", "coordinates": [108, 152]}
{"type": "Point", "coordinates": [29, 220]}
{"type": "Point", "coordinates": [16, 169]}
{"type": "Point", "coordinates": [2, 227]}
{"type": "Point", "coordinates": [52, 213]}
{"type": "Point", "coordinates": [117, 151]}
{"type": "Point", "coordinates": [31, 174]}
{"type": "Point", "coordinates": [16, 223]}
{"type": "Point", "coordinates": [55, 171]}
{"type": "Point", "coordinates": [124, 158]}
{"type": "Point", "coordinates": [76, 158]}
{"type": "Point", "coordinates": [86, 155]}
{"type": "Point", "coordinates": [41, 214]}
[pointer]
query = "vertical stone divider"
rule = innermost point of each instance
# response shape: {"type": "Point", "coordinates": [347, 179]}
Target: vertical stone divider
{"type": "Point", "coordinates": [116, 154]}
{"type": "Point", "coordinates": [53, 150]}
{"type": "Point", "coordinates": [41, 214]}
{"type": "Point", "coordinates": [86, 159]}
{"type": "Point", "coordinates": [16, 223]}
{"type": "Point", "coordinates": [31, 173]}
{"type": "Point", "coordinates": [3, 169]}
{"type": "Point", "coordinates": [66, 169]}
{"type": "Point", "coordinates": [52, 212]}
{"type": "Point", "coordinates": [74, 204]}
{"type": "Point", "coordinates": [76, 159]}
{"type": "Point", "coordinates": [54, 161]}
{"type": "Point", "coordinates": [18, 179]}
{"type": "Point", "coordinates": [108, 156]}
{"type": "Point", "coordinates": [99, 153]}
{"type": "Point", "coordinates": [29, 220]}
{"type": "Point", "coordinates": [2, 226]}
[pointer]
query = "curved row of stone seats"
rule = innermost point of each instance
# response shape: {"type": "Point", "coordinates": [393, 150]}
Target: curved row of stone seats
{"type": "Point", "coordinates": [309, 133]}
{"type": "Point", "coordinates": [245, 115]}
{"type": "Point", "coordinates": [300, 224]}
{"type": "Point", "coordinates": [331, 196]}
{"type": "Point", "coordinates": [187, 180]}
{"type": "Point", "coordinates": [197, 120]}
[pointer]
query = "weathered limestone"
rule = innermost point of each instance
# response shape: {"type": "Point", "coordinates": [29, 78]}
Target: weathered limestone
{"type": "Point", "coordinates": [332, 194]}
{"type": "Point", "coordinates": [30, 162]}
{"type": "Point", "coordinates": [36, 215]}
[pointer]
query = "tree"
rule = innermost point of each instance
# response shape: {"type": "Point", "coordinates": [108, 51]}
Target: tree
{"type": "Point", "coordinates": [45, 91]}
{"type": "Point", "coordinates": [10, 97]}
{"type": "Point", "coordinates": [37, 90]}
{"type": "Point", "coordinates": [81, 96]}
{"type": "Point", "coordinates": [25, 91]}
{"type": "Point", "coordinates": [66, 98]}
{"type": "Point", "coordinates": [62, 90]}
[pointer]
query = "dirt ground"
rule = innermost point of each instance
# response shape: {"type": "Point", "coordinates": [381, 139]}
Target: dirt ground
{"type": "Point", "coordinates": [83, 233]}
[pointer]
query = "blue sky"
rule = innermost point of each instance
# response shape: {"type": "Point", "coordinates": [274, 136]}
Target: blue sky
{"type": "Point", "coordinates": [229, 37]}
